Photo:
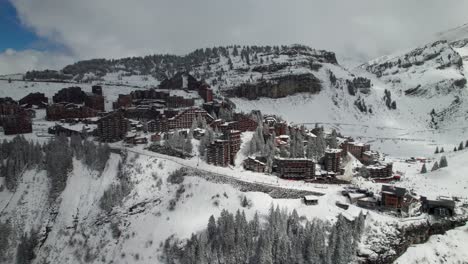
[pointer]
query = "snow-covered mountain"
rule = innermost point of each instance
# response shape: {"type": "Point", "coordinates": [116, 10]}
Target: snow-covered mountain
{"type": "Point", "coordinates": [435, 69]}
{"type": "Point", "coordinates": [454, 34]}
{"type": "Point", "coordinates": [404, 104]}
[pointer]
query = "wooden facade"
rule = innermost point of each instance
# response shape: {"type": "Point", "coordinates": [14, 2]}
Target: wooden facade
{"type": "Point", "coordinates": [112, 127]}
{"type": "Point", "coordinates": [332, 161]}
{"type": "Point", "coordinates": [298, 168]}
{"type": "Point", "coordinates": [69, 110]}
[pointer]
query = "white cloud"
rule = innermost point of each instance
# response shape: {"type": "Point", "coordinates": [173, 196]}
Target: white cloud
{"type": "Point", "coordinates": [119, 28]}
{"type": "Point", "coordinates": [12, 61]}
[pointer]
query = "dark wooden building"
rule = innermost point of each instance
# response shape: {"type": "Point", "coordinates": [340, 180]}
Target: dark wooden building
{"type": "Point", "coordinates": [112, 127]}
{"type": "Point", "coordinates": [392, 196]}
{"type": "Point", "coordinates": [295, 168]}
{"type": "Point", "coordinates": [355, 148]}
{"type": "Point", "coordinates": [332, 160]}
{"type": "Point", "coordinates": [443, 207]}
{"type": "Point", "coordinates": [184, 119]}
{"type": "Point", "coordinates": [218, 153]}
{"type": "Point", "coordinates": [60, 111]}
{"type": "Point", "coordinates": [18, 123]}
{"type": "Point", "coordinates": [97, 90]}
{"type": "Point", "coordinates": [234, 138]}
{"type": "Point", "coordinates": [254, 164]}
{"type": "Point", "coordinates": [123, 101]}
{"type": "Point", "coordinates": [34, 100]}
{"type": "Point", "coordinates": [94, 101]}
{"type": "Point", "coordinates": [380, 170]}
{"type": "Point", "coordinates": [70, 95]}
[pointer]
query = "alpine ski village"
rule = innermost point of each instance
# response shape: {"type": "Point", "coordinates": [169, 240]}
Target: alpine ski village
{"type": "Point", "coordinates": [122, 168]}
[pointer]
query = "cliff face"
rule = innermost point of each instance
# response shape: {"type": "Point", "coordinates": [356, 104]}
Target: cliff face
{"type": "Point", "coordinates": [277, 87]}
{"type": "Point", "coordinates": [407, 236]}
{"type": "Point", "coordinates": [432, 70]}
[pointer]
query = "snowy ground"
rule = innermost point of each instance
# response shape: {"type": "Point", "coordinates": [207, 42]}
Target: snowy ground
{"type": "Point", "coordinates": [145, 220]}
{"type": "Point", "coordinates": [448, 248]}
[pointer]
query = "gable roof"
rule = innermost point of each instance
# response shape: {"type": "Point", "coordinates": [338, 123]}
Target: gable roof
{"type": "Point", "coordinates": [397, 191]}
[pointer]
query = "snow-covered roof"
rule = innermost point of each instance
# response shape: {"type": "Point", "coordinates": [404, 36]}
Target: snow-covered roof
{"type": "Point", "coordinates": [333, 150]}
{"type": "Point", "coordinates": [310, 198]}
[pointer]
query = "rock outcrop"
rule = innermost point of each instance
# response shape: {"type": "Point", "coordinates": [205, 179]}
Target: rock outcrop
{"type": "Point", "coordinates": [277, 87]}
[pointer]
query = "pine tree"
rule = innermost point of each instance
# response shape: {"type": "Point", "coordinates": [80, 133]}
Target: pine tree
{"type": "Point", "coordinates": [466, 144]}
{"type": "Point", "coordinates": [460, 147]}
{"type": "Point", "coordinates": [435, 166]}
{"type": "Point", "coordinates": [443, 162]}
{"type": "Point", "coordinates": [437, 150]}
{"type": "Point", "coordinates": [333, 142]}
{"type": "Point", "coordinates": [442, 150]}
{"type": "Point", "coordinates": [423, 169]}
{"type": "Point", "coordinates": [455, 149]}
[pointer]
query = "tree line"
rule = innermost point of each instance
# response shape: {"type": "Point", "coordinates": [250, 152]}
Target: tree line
{"type": "Point", "coordinates": [55, 157]}
{"type": "Point", "coordinates": [281, 238]}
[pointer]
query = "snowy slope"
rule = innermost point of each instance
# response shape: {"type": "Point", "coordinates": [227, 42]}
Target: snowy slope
{"type": "Point", "coordinates": [447, 248]}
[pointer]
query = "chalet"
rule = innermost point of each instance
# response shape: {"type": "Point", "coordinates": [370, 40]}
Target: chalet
{"type": "Point", "coordinates": [296, 168]}
{"type": "Point", "coordinates": [34, 100]}
{"type": "Point", "coordinates": [310, 200]}
{"type": "Point", "coordinates": [112, 127]}
{"type": "Point", "coordinates": [60, 111]}
{"type": "Point", "coordinates": [72, 129]}
{"type": "Point", "coordinates": [218, 153]}
{"type": "Point", "coordinates": [332, 160]}
{"type": "Point", "coordinates": [440, 207]}
{"type": "Point", "coordinates": [393, 197]}
{"type": "Point", "coordinates": [254, 164]}
{"type": "Point", "coordinates": [70, 95]}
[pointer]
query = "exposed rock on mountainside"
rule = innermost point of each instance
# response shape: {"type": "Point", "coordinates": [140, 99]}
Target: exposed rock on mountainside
{"type": "Point", "coordinates": [278, 87]}
{"type": "Point", "coordinates": [434, 69]}
{"type": "Point", "coordinates": [250, 72]}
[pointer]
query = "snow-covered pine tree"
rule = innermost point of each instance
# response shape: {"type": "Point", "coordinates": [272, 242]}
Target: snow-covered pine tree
{"type": "Point", "coordinates": [333, 141]}
{"type": "Point", "coordinates": [443, 162]}
{"type": "Point", "coordinates": [436, 150]}
{"type": "Point", "coordinates": [435, 166]}
{"type": "Point", "coordinates": [423, 169]}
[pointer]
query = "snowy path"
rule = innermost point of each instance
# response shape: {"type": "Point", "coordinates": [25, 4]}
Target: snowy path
{"type": "Point", "coordinates": [237, 173]}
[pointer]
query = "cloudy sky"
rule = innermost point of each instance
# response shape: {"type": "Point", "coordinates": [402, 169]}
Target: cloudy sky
{"type": "Point", "coordinates": [38, 34]}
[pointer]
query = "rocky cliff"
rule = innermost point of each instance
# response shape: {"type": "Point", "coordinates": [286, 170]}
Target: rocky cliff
{"type": "Point", "coordinates": [431, 70]}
